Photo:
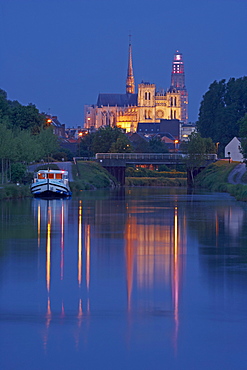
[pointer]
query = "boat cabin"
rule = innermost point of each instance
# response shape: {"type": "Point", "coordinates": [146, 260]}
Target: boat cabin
{"type": "Point", "coordinates": [52, 175]}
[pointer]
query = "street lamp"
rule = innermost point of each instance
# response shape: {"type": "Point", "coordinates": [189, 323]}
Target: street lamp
{"type": "Point", "coordinates": [79, 139]}
{"type": "Point", "coordinates": [175, 142]}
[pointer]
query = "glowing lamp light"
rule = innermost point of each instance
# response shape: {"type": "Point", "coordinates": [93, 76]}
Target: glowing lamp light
{"type": "Point", "coordinates": [49, 120]}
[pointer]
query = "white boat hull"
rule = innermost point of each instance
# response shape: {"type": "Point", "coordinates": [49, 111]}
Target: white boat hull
{"type": "Point", "coordinates": [50, 188]}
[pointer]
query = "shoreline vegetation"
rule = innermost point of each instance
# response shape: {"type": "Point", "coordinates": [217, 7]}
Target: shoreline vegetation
{"type": "Point", "coordinates": [215, 178]}
{"type": "Point", "coordinates": [91, 176]}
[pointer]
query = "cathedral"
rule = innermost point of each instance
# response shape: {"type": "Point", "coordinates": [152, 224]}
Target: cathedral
{"type": "Point", "coordinates": [146, 106]}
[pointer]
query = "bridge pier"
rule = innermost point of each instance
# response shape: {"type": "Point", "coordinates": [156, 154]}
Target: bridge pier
{"type": "Point", "coordinates": [191, 176]}
{"type": "Point", "coordinates": [116, 168]}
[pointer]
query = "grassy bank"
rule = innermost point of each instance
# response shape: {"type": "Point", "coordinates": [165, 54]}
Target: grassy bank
{"type": "Point", "coordinates": [214, 177]}
{"type": "Point", "coordinates": [89, 176]}
{"type": "Point", "coordinates": [13, 191]}
{"type": "Point", "coordinates": [155, 181]}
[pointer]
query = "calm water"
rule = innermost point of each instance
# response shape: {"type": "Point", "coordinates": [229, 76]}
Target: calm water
{"type": "Point", "coordinates": [139, 278]}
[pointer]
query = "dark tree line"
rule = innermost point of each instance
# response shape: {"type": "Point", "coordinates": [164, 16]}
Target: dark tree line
{"type": "Point", "coordinates": [24, 137]}
{"type": "Point", "coordinates": [222, 108]}
{"type": "Point", "coordinates": [113, 140]}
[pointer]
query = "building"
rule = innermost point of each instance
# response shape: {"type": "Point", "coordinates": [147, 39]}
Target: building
{"type": "Point", "coordinates": [233, 150]}
{"type": "Point", "coordinates": [58, 128]}
{"type": "Point", "coordinates": [148, 105]}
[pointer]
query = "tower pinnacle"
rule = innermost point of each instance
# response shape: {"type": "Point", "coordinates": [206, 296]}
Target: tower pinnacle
{"type": "Point", "coordinates": [178, 84]}
{"type": "Point", "coordinates": [177, 78]}
{"type": "Point", "coordinates": [130, 82]}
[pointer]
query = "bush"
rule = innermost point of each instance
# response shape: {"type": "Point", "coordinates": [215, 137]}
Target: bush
{"type": "Point", "coordinates": [14, 192]}
{"type": "Point", "coordinates": [18, 171]}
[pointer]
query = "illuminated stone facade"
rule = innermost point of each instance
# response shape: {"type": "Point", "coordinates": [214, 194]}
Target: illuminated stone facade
{"type": "Point", "coordinates": [147, 106]}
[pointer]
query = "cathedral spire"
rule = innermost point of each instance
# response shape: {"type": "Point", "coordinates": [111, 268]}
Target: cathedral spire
{"type": "Point", "coordinates": [130, 82]}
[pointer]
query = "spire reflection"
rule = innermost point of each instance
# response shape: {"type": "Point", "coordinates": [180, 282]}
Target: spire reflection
{"type": "Point", "coordinates": [87, 250]}
{"type": "Point", "coordinates": [48, 250]}
{"type": "Point", "coordinates": [153, 251]}
{"type": "Point", "coordinates": [79, 243]}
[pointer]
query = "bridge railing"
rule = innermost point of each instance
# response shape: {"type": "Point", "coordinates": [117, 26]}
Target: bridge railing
{"type": "Point", "coordinates": [141, 156]}
{"type": "Point", "coordinates": [150, 156]}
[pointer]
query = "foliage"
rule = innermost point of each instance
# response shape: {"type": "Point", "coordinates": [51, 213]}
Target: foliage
{"type": "Point", "coordinates": [12, 191]}
{"type": "Point", "coordinates": [197, 150]}
{"type": "Point", "coordinates": [90, 175]}
{"type": "Point", "coordinates": [22, 137]}
{"type": "Point", "coordinates": [243, 135]}
{"type": "Point", "coordinates": [122, 145]}
{"type": "Point", "coordinates": [152, 181]}
{"type": "Point", "coordinates": [214, 177]}
{"type": "Point", "coordinates": [104, 139]}
{"type": "Point", "coordinates": [27, 118]}
{"type": "Point", "coordinates": [48, 142]}
{"type": "Point", "coordinates": [222, 107]}
{"type": "Point", "coordinates": [157, 146]}
{"type": "Point", "coordinates": [18, 171]}
{"type": "Point", "coordinates": [144, 172]}
{"type": "Point", "coordinates": [163, 167]}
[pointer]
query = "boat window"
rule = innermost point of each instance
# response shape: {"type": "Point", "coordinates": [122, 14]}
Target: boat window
{"type": "Point", "coordinates": [59, 176]}
{"type": "Point", "coordinates": [50, 176]}
{"type": "Point", "coordinates": [41, 176]}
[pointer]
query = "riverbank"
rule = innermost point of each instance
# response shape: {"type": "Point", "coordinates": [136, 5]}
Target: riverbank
{"type": "Point", "coordinates": [215, 178]}
{"type": "Point", "coordinates": [89, 175]}
{"type": "Point", "coordinates": [155, 181]}
{"type": "Point", "coordinates": [13, 191]}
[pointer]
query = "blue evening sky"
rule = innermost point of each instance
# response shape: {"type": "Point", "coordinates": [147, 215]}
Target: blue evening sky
{"type": "Point", "coordinates": [59, 54]}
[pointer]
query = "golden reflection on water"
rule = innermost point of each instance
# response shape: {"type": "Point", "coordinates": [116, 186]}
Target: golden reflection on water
{"type": "Point", "coordinates": [80, 243]}
{"type": "Point", "coordinates": [87, 248]}
{"type": "Point", "coordinates": [48, 251]}
{"type": "Point", "coordinates": [62, 243]}
{"type": "Point", "coordinates": [153, 250]}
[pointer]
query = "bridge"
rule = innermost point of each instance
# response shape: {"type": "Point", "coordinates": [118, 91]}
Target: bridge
{"type": "Point", "coordinates": [142, 158]}
{"type": "Point", "coordinates": [116, 163]}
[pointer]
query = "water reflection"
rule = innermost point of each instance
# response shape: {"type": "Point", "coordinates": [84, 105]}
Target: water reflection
{"type": "Point", "coordinates": [155, 254]}
{"type": "Point", "coordinates": [117, 263]}
{"type": "Point", "coordinates": [155, 245]}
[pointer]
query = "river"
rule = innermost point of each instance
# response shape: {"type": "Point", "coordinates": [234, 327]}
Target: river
{"type": "Point", "coordinates": [133, 278]}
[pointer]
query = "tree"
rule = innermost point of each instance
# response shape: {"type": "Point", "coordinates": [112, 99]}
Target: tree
{"type": "Point", "coordinates": [27, 118]}
{"type": "Point", "coordinates": [223, 105]}
{"type": "Point", "coordinates": [122, 145]}
{"type": "Point", "coordinates": [197, 151]}
{"type": "Point", "coordinates": [48, 143]}
{"type": "Point", "coordinates": [243, 135]}
{"type": "Point", "coordinates": [157, 146]}
{"type": "Point", "coordinates": [6, 146]}
{"type": "Point", "coordinates": [104, 138]}
{"type": "Point", "coordinates": [26, 148]}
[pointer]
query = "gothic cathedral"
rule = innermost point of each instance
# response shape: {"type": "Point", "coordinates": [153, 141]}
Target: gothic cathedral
{"type": "Point", "coordinates": [146, 106]}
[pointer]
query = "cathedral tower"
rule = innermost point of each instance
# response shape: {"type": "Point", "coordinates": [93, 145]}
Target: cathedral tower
{"type": "Point", "coordinates": [130, 82]}
{"type": "Point", "coordinates": [178, 84]}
